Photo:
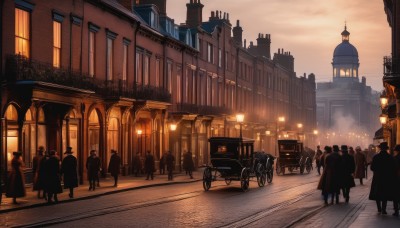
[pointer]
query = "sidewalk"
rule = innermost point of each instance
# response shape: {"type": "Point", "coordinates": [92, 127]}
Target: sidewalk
{"type": "Point", "coordinates": [125, 183]}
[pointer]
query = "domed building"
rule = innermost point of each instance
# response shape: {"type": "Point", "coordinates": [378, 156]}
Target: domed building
{"type": "Point", "coordinates": [347, 108]}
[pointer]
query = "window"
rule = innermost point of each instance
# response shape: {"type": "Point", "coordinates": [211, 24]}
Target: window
{"type": "Point", "coordinates": [125, 63]}
{"type": "Point", "coordinates": [109, 59]}
{"type": "Point", "coordinates": [146, 70]}
{"type": "Point", "coordinates": [158, 67]}
{"type": "Point", "coordinates": [138, 67]}
{"type": "Point", "coordinates": [194, 87]}
{"type": "Point", "coordinates": [92, 53]}
{"type": "Point", "coordinates": [209, 90]}
{"type": "Point", "coordinates": [178, 86]}
{"type": "Point", "coordinates": [22, 33]}
{"type": "Point", "coordinates": [220, 57]}
{"type": "Point", "coordinates": [56, 43]}
{"type": "Point", "coordinates": [210, 53]}
{"type": "Point", "coordinates": [169, 76]}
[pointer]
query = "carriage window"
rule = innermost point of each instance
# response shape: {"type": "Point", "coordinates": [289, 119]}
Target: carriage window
{"type": "Point", "coordinates": [289, 147]}
{"type": "Point", "coordinates": [222, 149]}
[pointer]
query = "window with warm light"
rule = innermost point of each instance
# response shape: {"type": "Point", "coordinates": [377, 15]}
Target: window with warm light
{"type": "Point", "coordinates": [56, 44]}
{"type": "Point", "coordinates": [22, 32]}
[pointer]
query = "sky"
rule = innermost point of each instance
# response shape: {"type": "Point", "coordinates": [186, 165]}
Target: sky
{"type": "Point", "coordinates": [309, 29]}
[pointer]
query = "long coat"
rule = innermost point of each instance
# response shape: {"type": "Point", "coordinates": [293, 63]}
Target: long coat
{"type": "Point", "coordinates": [170, 162]}
{"type": "Point", "coordinates": [16, 183]}
{"type": "Point", "coordinates": [52, 176]}
{"type": "Point", "coordinates": [347, 168]}
{"type": "Point", "coordinates": [114, 165]}
{"type": "Point", "coordinates": [329, 181]}
{"type": "Point", "coordinates": [384, 168]}
{"type": "Point", "coordinates": [397, 182]}
{"type": "Point", "coordinates": [68, 168]}
{"type": "Point", "coordinates": [93, 165]}
{"type": "Point", "coordinates": [361, 162]}
{"type": "Point", "coordinates": [149, 165]}
{"type": "Point", "coordinates": [188, 164]}
{"type": "Point", "coordinates": [37, 178]}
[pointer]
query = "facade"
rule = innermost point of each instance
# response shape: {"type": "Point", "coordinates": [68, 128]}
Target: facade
{"type": "Point", "coordinates": [346, 107]}
{"type": "Point", "coordinates": [120, 74]}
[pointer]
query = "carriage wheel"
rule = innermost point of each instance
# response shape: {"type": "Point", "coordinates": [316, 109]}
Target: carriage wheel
{"type": "Point", "coordinates": [207, 178]}
{"type": "Point", "coordinates": [228, 181]}
{"type": "Point", "coordinates": [261, 175]}
{"type": "Point", "coordinates": [245, 179]}
{"type": "Point", "coordinates": [270, 175]}
{"type": "Point", "coordinates": [278, 167]}
{"type": "Point", "coordinates": [302, 168]}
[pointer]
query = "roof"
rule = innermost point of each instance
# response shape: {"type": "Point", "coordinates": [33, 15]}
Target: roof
{"type": "Point", "coordinates": [345, 49]}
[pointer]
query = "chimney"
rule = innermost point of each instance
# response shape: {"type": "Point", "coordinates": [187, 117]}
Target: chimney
{"type": "Point", "coordinates": [194, 13]}
{"type": "Point", "coordinates": [129, 4]}
{"type": "Point", "coordinates": [237, 33]}
{"type": "Point", "coordinates": [244, 43]}
{"type": "Point", "coordinates": [161, 5]}
{"type": "Point", "coordinates": [264, 45]}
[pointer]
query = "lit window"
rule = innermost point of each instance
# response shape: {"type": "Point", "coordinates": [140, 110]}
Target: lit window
{"type": "Point", "coordinates": [109, 59]}
{"type": "Point", "coordinates": [178, 86]}
{"type": "Point", "coordinates": [22, 36]}
{"type": "Point", "coordinates": [92, 53]}
{"type": "Point", "coordinates": [210, 53]}
{"type": "Point", "coordinates": [220, 57]}
{"type": "Point", "coordinates": [56, 43]}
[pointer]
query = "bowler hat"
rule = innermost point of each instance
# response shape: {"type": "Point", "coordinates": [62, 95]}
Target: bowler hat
{"type": "Point", "coordinates": [383, 146]}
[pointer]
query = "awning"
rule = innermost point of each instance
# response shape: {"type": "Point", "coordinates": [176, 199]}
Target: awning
{"type": "Point", "coordinates": [379, 134]}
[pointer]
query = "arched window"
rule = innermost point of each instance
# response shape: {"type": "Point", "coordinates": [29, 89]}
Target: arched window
{"type": "Point", "coordinates": [11, 113]}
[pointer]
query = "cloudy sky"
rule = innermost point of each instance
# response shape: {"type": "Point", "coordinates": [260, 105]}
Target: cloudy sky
{"type": "Point", "coordinates": [309, 29]}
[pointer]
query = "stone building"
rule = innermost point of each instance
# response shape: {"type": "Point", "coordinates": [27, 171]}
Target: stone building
{"type": "Point", "coordinates": [346, 107]}
{"type": "Point", "coordinates": [121, 74]}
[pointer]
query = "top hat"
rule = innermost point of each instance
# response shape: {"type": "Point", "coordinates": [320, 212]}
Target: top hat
{"type": "Point", "coordinates": [328, 149]}
{"type": "Point", "coordinates": [344, 147]}
{"type": "Point", "coordinates": [383, 146]}
{"type": "Point", "coordinates": [335, 148]}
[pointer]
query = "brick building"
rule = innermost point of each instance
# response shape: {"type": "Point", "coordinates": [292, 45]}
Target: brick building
{"type": "Point", "coordinates": [118, 74]}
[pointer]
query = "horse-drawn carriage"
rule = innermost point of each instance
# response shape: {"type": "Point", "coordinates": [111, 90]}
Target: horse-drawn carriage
{"type": "Point", "coordinates": [234, 159]}
{"type": "Point", "coordinates": [293, 156]}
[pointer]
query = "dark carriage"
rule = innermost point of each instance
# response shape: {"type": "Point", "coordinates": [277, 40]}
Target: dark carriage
{"type": "Point", "coordinates": [233, 159]}
{"type": "Point", "coordinates": [293, 156]}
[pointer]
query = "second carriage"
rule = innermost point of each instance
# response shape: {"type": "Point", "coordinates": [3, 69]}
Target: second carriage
{"type": "Point", "coordinates": [293, 156]}
{"type": "Point", "coordinates": [234, 159]}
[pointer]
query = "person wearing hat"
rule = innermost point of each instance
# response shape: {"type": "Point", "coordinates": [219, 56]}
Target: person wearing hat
{"type": "Point", "coordinates": [347, 168]}
{"type": "Point", "coordinates": [396, 201]}
{"type": "Point", "coordinates": [318, 156]}
{"type": "Point", "coordinates": [333, 161]}
{"type": "Point", "coordinates": [68, 169]}
{"type": "Point", "coordinates": [52, 177]}
{"type": "Point", "coordinates": [37, 178]}
{"type": "Point", "coordinates": [16, 183]}
{"type": "Point", "coordinates": [382, 187]}
{"type": "Point", "coordinates": [361, 163]}
{"type": "Point", "coordinates": [93, 165]}
{"type": "Point", "coordinates": [114, 166]}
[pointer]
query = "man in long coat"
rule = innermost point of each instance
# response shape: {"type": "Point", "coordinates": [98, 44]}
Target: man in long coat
{"type": "Point", "coordinates": [149, 165]}
{"type": "Point", "coordinates": [52, 177]}
{"type": "Point", "coordinates": [382, 187]}
{"type": "Point", "coordinates": [37, 178]}
{"type": "Point", "coordinates": [69, 170]}
{"type": "Point", "coordinates": [170, 165]}
{"type": "Point", "coordinates": [93, 167]}
{"type": "Point", "coordinates": [114, 166]}
{"type": "Point", "coordinates": [361, 164]}
{"type": "Point", "coordinates": [329, 182]}
{"type": "Point", "coordinates": [318, 156]}
{"type": "Point", "coordinates": [188, 163]}
{"type": "Point", "coordinates": [396, 200]}
{"type": "Point", "coordinates": [347, 168]}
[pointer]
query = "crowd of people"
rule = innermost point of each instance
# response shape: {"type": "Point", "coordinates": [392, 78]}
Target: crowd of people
{"type": "Point", "coordinates": [342, 166]}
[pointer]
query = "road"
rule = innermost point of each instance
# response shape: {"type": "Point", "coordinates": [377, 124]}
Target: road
{"type": "Point", "coordinates": [289, 201]}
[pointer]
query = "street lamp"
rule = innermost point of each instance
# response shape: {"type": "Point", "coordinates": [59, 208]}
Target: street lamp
{"type": "Point", "coordinates": [384, 100]}
{"type": "Point", "coordinates": [383, 118]}
{"type": "Point", "coordinates": [139, 135]}
{"type": "Point", "coordinates": [240, 119]}
{"type": "Point", "coordinates": [173, 127]}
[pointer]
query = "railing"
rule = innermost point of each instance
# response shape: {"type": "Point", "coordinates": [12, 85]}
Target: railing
{"type": "Point", "coordinates": [203, 110]}
{"type": "Point", "coordinates": [19, 68]}
{"type": "Point", "coordinates": [391, 66]}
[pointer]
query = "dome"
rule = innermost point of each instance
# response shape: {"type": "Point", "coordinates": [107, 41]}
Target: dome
{"type": "Point", "coordinates": [345, 49]}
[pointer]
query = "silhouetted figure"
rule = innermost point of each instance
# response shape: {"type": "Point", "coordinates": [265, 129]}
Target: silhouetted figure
{"type": "Point", "coordinates": [93, 168]}
{"type": "Point", "coordinates": [329, 181]}
{"type": "Point", "coordinates": [361, 164]}
{"type": "Point", "coordinates": [318, 156]}
{"type": "Point", "coordinates": [382, 187]}
{"type": "Point", "coordinates": [149, 165]}
{"type": "Point", "coordinates": [347, 168]}
{"type": "Point", "coordinates": [396, 200]}
{"type": "Point", "coordinates": [162, 163]}
{"type": "Point", "coordinates": [69, 170]}
{"type": "Point", "coordinates": [188, 164]}
{"type": "Point", "coordinates": [52, 177]}
{"type": "Point", "coordinates": [16, 183]}
{"type": "Point", "coordinates": [137, 164]}
{"type": "Point", "coordinates": [37, 178]}
{"type": "Point", "coordinates": [114, 166]}
{"type": "Point", "coordinates": [170, 165]}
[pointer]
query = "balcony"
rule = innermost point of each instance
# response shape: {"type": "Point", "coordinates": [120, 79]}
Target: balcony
{"type": "Point", "coordinates": [19, 68]}
{"type": "Point", "coordinates": [203, 110]}
{"type": "Point", "coordinates": [391, 70]}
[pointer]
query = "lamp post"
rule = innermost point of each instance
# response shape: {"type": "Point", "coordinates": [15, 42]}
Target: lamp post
{"type": "Point", "coordinates": [240, 119]}
{"type": "Point", "coordinates": [139, 135]}
{"type": "Point", "coordinates": [173, 127]}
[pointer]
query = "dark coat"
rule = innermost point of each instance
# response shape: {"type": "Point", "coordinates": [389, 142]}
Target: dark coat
{"type": "Point", "coordinates": [170, 159]}
{"type": "Point", "coordinates": [397, 182]}
{"type": "Point", "coordinates": [68, 168]}
{"type": "Point", "coordinates": [37, 179]}
{"type": "Point", "coordinates": [188, 164]}
{"type": "Point", "coordinates": [329, 181]}
{"type": "Point", "coordinates": [149, 165]}
{"type": "Point", "coordinates": [52, 175]}
{"type": "Point", "coordinates": [16, 183]}
{"type": "Point", "coordinates": [114, 165]}
{"type": "Point", "coordinates": [347, 168]}
{"type": "Point", "coordinates": [384, 168]}
{"type": "Point", "coordinates": [93, 165]}
{"type": "Point", "coordinates": [361, 162]}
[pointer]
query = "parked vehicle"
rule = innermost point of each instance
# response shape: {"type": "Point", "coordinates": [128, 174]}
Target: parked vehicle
{"type": "Point", "coordinates": [233, 159]}
{"type": "Point", "coordinates": [293, 157]}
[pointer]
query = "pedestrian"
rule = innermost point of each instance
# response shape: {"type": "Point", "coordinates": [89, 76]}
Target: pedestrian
{"type": "Point", "coordinates": [137, 164]}
{"type": "Point", "coordinates": [329, 181]}
{"type": "Point", "coordinates": [99, 172]}
{"type": "Point", "coordinates": [149, 165]}
{"type": "Point", "coordinates": [52, 177]}
{"type": "Point", "coordinates": [347, 168]}
{"type": "Point", "coordinates": [189, 165]}
{"type": "Point", "coordinates": [37, 178]}
{"type": "Point", "coordinates": [93, 168]}
{"type": "Point", "coordinates": [396, 201]}
{"type": "Point", "coordinates": [351, 151]}
{"type": "Point", "coordinates": [16, 182]}
{"type": "Point", "coordinates": [42, 173]}
{"type": "Point", "coordinates": [69, 170]}
{"type": "Point", "coordinates": [114, 166]}
{"type": "Point", "coordinates": [382, 187]}
{"type": "Point", "coordinates": [361, 164]}
{"type": "Point", "coordinates": [318, 155]}
{"type": "Point", "coordinates": [170, 159]}
{"type": "Point", "coordinates": [162, 163]}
